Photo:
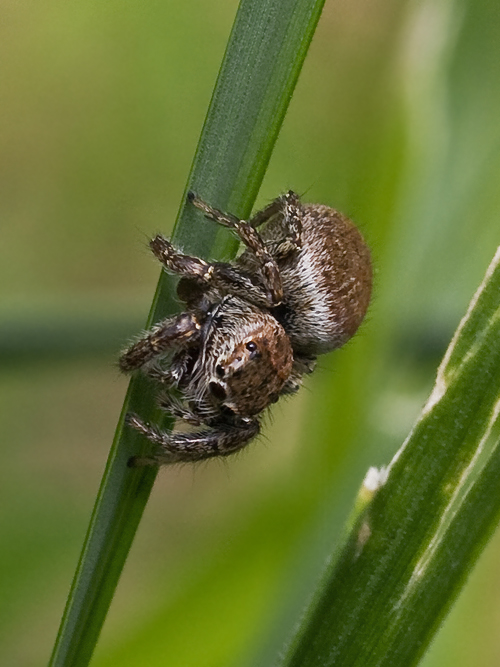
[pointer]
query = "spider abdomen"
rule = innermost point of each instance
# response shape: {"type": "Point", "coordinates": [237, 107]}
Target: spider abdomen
{"type": "Point", "coordinates": [327, 283]}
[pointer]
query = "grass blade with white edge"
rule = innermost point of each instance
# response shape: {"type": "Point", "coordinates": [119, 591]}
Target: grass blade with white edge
{"type": "Point", "coordinates": [411, 549]}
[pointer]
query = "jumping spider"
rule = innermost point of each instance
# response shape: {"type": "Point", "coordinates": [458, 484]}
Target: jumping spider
{"type": "Point", "coordinates": [251, 328]}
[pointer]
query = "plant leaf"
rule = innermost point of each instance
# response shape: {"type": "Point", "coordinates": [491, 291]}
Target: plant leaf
{"type": "Point", "coordinates": [411, 549]}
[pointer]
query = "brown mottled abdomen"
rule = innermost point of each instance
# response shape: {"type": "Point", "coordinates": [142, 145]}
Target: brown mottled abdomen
{"type": "Point", "coordinates": [327, 285]}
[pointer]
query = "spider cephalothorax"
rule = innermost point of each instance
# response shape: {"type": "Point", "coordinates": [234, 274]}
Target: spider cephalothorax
{"type": "Point", "coordinates": [253, 327]}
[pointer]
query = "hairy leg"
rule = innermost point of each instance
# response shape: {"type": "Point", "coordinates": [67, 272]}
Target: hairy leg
{"type": "Point", "coordinates": [301, 366]}
{"type": "Point", "coordinates": [292, 217]}
{"type": "Point", "coordinates": [221, 440]}
{"type": "Point", "coordinates": [175, 331]}
{"type": "Point", "coordinates": [222, 276]}
{"type": "Point", "coordinates": [178, 409]}
{"type": "Point", "coordinates": [177, 262]}
{"type": "Point", "coordinates": [173, 375]}
{"type": "Point", "coordinates": [288, 205]}
{"type": "Point", "coordinates": [253, 241]}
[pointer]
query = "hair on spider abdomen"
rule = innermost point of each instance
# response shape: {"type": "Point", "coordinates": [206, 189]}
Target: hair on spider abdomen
{"type": "Point", "coordinates": [327, 285]}
{"type": "Point", "coordinates": [254, 327]}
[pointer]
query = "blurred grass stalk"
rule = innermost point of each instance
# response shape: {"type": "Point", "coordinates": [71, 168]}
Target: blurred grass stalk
{"type": "Point", "coordinates": [265, 53]}
{"type": "Point", "coordinates": [415, 542]}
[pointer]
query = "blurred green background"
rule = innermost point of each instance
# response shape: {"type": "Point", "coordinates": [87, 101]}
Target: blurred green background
{"type": "Point", "coordinates": [394, 122]}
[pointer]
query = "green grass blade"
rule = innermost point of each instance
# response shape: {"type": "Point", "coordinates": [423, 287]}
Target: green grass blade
{"type": "Point", "coordinates": [263, 59]}
{"type": "Point", "coordinates": [412, 547]}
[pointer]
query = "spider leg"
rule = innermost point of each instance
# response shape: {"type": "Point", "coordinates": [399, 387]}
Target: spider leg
{"type": "Point", "coordinates": [173, 375]}
{"type": "Point", "coordinates": [221, 275]}
{"type": "Point", "coordinates": [221, 440]}
{"type": "Point", "coordinates": [174, 331]}
{"type": "Point", "coordinates": [163, 376]}
{"type": "Point", "coordinates": [293, 212]}
{"type": "Point", "coordinates": [253, 241]}
{"type": "Point", "coordinates": [289, 207]}
{"type": "Point", "coordinates": [287, 204]}
{"type": "Point", "coordinates": [179, 410]}
{"type": "Point", "coordinates": [177, 262]}
{"type": "Point", "coordinates": [301, 366]}
{"type": "Point", "coordinates": [265, 214]}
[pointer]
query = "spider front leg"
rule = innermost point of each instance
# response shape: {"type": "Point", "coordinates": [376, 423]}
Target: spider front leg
{"type": "Point", "coordinates": [179, 410]}
{"type": "Point", "coordinates": [221, 440]}
{"type": "Point", "coordinates": [253, 241]}
{"type": "Point", "coordinates": [178, 368]}
{"type": "Point", "coordinates": [181, 330]}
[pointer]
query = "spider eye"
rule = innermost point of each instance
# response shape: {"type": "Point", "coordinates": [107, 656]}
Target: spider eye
{"type": "Point", "coordinates": [253, 348]}
{"type": "Point", "coordinates": [220, 371]}
{"type": "Point", "coordinates": [217, 390]}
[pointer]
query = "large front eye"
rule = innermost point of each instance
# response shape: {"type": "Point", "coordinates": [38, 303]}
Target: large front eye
{"type": "Point", "coordinates": [252, 348]}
